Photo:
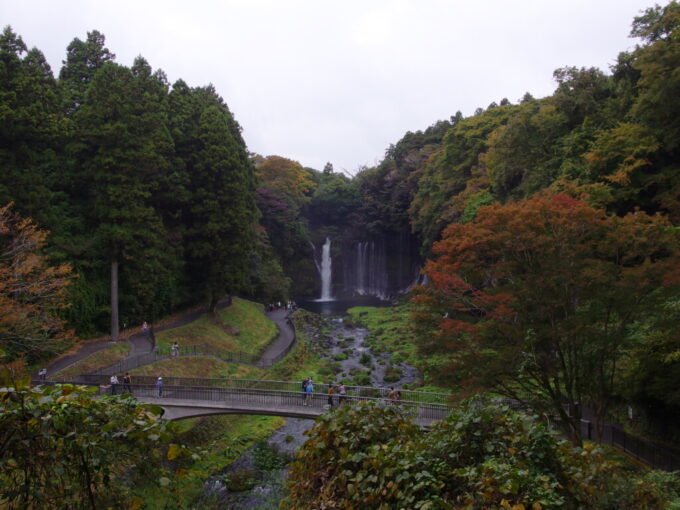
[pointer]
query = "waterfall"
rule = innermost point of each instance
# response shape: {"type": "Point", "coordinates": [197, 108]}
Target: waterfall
{"type": "Point", "coordinates": [325, 271]}
{"type": "Point", "coordinates": [367, 275]}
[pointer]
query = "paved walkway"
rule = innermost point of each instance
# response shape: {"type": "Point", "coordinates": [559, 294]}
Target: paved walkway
{"type": "Point", "coordinates": [141, 343]}
{"type": "Point", "coordinates": [286, 334]}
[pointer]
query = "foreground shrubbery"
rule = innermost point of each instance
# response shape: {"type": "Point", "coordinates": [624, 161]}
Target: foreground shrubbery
{"type": "Point", "coordinates": [62, 448]}
{"type": "Point", "coordinates": [483, 456]}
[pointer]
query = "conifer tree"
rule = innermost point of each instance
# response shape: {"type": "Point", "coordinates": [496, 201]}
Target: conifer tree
{"type": "Point", "coordinates": [30, 127]}
{"type": "Point", "coordinates": [126, 147]}
{"type": "Point", "coordinates": [221, 211]}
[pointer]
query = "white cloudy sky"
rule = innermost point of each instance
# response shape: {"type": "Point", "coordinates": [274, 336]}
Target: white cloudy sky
{"type": "Point", "coordinates": [317, 81]}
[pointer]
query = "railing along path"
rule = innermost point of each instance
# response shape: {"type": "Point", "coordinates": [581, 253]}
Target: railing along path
{"type": "Point", "coordinates": [265, 397]}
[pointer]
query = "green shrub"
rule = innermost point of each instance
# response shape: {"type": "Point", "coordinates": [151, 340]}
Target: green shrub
{"type": "Point", "coordinates": [362, 379]}
{"type": "Point", "coordinates": [241, 480]}
{"type": "Point", "coordinates": [267, 457]}
{"type": "Point", "coordinates": [482, 456]}
{"type": "Point", "coordinates": [392, 374]}
{"type": "Point", "coordinates": [365, 359]}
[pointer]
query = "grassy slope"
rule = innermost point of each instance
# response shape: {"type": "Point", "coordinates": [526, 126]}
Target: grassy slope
{"type": "Point", "coordinates": [113, 353]}
{"type": "Point", "coordinates": [200, 366]}
{"type": "Point", "coordinates": [256, 330]}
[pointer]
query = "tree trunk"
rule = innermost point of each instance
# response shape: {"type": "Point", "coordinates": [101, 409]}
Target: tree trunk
{"type": "Point", "coordinates": [572, 424]}
{"type": "Point", "coordinates": [214, 301]}
{"type": "Point", "coordinates": [114, 301]}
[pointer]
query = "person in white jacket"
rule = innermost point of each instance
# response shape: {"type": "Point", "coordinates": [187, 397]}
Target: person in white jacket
{"type": "Point", "coordinates": [114, 384]}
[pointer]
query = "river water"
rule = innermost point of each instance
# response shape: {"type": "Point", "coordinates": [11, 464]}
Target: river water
{"type": "Point", "coordinates": [343, 340]}
{"type": "Point", "coordinates": [339, 307]}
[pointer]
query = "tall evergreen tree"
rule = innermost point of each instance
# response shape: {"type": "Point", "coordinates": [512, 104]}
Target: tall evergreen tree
{"type": "Point", "coordinates": [83, 60]}
{"type": "Point", "coordinates": [30, 127]}
{"type": "Point", "coordinates": [221, 211]}
{"type": "Point", "coordinates": [125, 148]}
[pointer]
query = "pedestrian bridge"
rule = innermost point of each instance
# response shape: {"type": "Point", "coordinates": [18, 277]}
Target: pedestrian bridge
{"type": "Point", "coordinates": [189, 397]}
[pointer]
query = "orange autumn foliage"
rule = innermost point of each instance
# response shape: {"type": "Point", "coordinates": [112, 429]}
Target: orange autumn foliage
{"type": "Point", "coordinates": [31, 291]}
{"type": "Point", "coordinates": [535, 298]}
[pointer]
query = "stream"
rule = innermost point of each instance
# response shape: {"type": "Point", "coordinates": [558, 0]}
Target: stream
{"type": "Point", "coordinates": [346, 346]}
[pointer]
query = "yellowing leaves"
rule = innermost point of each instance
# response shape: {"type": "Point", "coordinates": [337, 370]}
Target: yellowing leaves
{"type": "Point", "coordinates": [174, 451]}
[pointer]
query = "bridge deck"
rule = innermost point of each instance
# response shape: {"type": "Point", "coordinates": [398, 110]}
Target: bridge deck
{"type": "Point", "coordinates": [191, 401]}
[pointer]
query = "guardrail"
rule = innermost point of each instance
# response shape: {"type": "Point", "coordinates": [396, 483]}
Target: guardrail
{"type": "Point", "coordinates": [361, 392]}
{"type": "Point", "coordinates": [651, 454]}
{"type": "Point", "coordinates": [270, 399]}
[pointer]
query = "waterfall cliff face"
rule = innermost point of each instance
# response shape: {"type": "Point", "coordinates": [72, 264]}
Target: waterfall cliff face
{"type": "Point", "coordinates": [326, 272]}
{"type": "Point", "coordinates": [381, 267]}
{"type": "Point", "coordinates": [365, 271]}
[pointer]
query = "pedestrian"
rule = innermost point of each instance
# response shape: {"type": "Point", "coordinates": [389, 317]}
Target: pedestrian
{"type": "Point", "coordinates": [305, 381]}
{"type": "Point", "coordinates": [175, 350]}
{"type": "Point", "coordinates": [127, 382]}
{"type": "Point", "coordinates": [42, 374]}
{"type": "Point", "coordinates": [309, 390]}
{"type": "Point", "coordinates": [114, 384]}
{"type": "Point", "coordinates": [341, 394]}
{"type": "Point", "coordinates": [331, 390]}
{"type": "Point", "coordinates": [392, 395]}
{"type": "Point", "coordinates": [145, 329]}
{"type": "Point", "coordinates": [159, 386]}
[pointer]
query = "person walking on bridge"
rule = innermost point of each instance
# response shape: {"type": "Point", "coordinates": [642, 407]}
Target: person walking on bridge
{"type": "Point", "coordinates": [309, 391]}
{"type": "Point", "coordinates": [305, 382]}
{"type": "Point", "coordinates": [341, 393]}
{"type": "Point", "coordinates": [331, 391]}
{"type": "Point", "coordinates": [114, 384]}
{"type": "Point", "coordinates": [159, 386]}
{"type": "Point", "coordinates": [127, 382]}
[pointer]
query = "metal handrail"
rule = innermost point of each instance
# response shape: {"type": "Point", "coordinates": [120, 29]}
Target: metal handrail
{"type": "Point", "coordinates": [293, 387]}
{"type": "Point", "coordinates": [268, 398]}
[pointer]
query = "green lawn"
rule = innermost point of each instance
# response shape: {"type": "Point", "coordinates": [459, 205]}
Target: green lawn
{"type": "Point", "coordinates": [200, 366]}
{"type": "Point", "coordinates": [256, 331]}
{"type": "Point", "coordinates": [111, 354]}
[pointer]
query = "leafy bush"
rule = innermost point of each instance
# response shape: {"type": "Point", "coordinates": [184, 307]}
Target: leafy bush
{"type": "Point", "coordinates": [61, 447]}
{"type": "Point", "coordinates": [362, 379]}
{"type": "Point", "coordinates": [482, 455]}
{"type": "Point", "coordinates": [341, 356]}
{"type": "Point", "coordinates": [241, 480]}
{"type": "Point", "coordinates": [392, 374]}
{"type": "Point", "coordinates": [267, 457]}
{"type": "Point", "coordinates": [365, 359]}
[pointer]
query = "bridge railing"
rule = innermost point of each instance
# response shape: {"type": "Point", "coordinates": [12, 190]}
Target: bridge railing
{"type": "Point", "coordinates": [254, 398]}
{"type": "Point", "coordinates": [293, 387]}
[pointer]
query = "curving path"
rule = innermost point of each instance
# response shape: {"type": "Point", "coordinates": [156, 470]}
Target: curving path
{"type": "Point", "coordinates": [141, 343]}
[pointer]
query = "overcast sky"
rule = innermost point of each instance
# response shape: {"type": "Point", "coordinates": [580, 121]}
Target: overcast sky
{"type": "Point", "coordinates": [318, 81]}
